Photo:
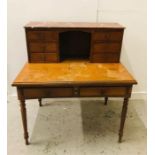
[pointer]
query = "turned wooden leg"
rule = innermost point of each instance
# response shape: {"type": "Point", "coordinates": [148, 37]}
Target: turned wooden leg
{"type": "Point", "coordinates": [40, 103]}
{"type": "Point", "coordinates": [123, 117]}
{"type": "Point", "coordinates": [24, 120]}
{"type": "Point", "coordinates": [106, 100]}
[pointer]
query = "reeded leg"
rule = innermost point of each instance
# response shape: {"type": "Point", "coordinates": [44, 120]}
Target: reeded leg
{"type": "Point", "coordinates": [106, 100]}
{"type": "Point", "coordinates": [40, 103]}
{"type": "Point", "coordinates": [123, 117]}
{"type": "Point", "coordinates": [24, 120]}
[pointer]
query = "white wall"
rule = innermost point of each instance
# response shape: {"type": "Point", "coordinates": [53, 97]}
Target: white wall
{"type": "Point", "coordinates": [131, 14]}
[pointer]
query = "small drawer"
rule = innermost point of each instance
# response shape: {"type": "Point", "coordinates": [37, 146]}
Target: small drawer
{"type": "Point", "coordinates": [51, 47]}
{"type": "Point", "coordinates": [50, 36]}
{"type": "Point", "coordinates": [103, 91]}
{"type": "Point", "coordinates": [100, 36]}
{"type": "Point", "coordinates": [108, 36]}
{"type": "Point", "coordinates": [106, 47]}
{"type": "Point", "coordinates": [30, 93]}
{"type": "Point", "coordinates": [35, 35]}
{"type": "Point", "coordinates": [36, 57]}
{"type": "Point", "coordinates": [36, 47]}
{"type": "Point", "coordinates": [51, 57]}
{"type": "Point", "coordinates": [115, 36]}
{"type": "Point", "coordinates": [105, 58]}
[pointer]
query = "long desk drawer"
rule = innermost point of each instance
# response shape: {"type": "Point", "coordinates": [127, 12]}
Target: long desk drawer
{"type": "Point", "coordinates": [103, 91]}
{"type": "Point", "coordinates": [30, 93]}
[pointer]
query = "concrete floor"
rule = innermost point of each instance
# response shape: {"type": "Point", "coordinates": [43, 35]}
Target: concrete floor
{"type": "Point", "coordinates": [77, 127]}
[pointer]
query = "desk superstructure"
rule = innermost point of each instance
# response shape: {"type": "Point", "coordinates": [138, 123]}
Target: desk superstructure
{"type": "Point", "coordinates": [54, 42]}
{"type": "Point", "coordinates": [78, 60]}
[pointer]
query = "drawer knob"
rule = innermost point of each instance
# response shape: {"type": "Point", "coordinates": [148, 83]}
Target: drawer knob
{"type": "Point", "coordinates": [76, 88]}
{"type": "Point", "coordinates": [76, 91]}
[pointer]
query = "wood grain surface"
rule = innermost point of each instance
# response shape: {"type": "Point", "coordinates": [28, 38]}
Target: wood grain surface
{"type": "Point", "coordinates": [73, 72]}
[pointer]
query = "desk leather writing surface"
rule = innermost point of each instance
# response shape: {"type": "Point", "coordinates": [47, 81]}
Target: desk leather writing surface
{"type": "Point", "coordinates": [74, 72]}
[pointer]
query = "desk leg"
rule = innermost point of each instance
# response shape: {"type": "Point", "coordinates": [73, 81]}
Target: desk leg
{"type": "Point", "coordinates": [24, 120]}
{"type": "Point", "coordinates": [40, 103]}
{"type": "Point", "coordinates": [123, 117]}
{"type": "Point", "coordinates": [106, 100]}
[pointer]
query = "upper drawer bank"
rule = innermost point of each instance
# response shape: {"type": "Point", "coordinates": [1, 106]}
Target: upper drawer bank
{"type": "Point", "coordinates": [44, 39]}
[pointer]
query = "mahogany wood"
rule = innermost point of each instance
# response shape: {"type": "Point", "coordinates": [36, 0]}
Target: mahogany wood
{"type": "Point", "coordinates": [73, 79]}
{"type": "Point", "coordinates": [123, 117]}
{"type": "Point", "coordinates": [23, 114]}
{"type": "Point", "coordinates": [97, 42]}
{"type": "Point", "coordinates": [74, 73]}
{"type": "Point", "coordinates": [51, 42]}
{"type": "Point", "coordinates": [40, 102]}
{"type": "Point", "coordinates": [106, 101]}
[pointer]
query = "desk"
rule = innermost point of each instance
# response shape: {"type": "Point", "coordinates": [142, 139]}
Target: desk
{"type": "Point", "coordinates": [73, 79]}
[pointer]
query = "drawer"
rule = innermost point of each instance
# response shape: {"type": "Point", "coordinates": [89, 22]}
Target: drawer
{"type": "Point", "coordinates": [43, 47]}
{"type": "Point", "coordinates": [106, 47]}
{"type": "Point", "coordinates": [105, 57]}
{"type": "Point", "coordinates": [90, 91]}
{"type": "Point", "coordinates": [46, 36]}
{"type": "Point", "coordinates": [35, 35]}
{"type": "Point", "coordinates": [36, 47]}
{"type": "Point", "coordinates": [36, 57]}
{"type": "Point", "coordinates": [51, 47]}
{"type": "Point", "coordinates": [108, 36]}
{"type": "Point", "coordinates": [103, 91]}
{"type": "Point", "coordinates": [30, 93]}
{"type": "Point", "coordinates": [51, 57]}
{"type": "Point", "coordinates": [50, 36]}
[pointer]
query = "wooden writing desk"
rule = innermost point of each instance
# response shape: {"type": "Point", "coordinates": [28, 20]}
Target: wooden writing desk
{"type": "Point", "coordinates": [73, 79]}
{"type": "Point", "coordinates": [49, 73]}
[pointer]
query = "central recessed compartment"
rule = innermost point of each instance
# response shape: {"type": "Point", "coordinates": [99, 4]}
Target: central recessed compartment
{"type": "Point", "coordinates": [74, 45]}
